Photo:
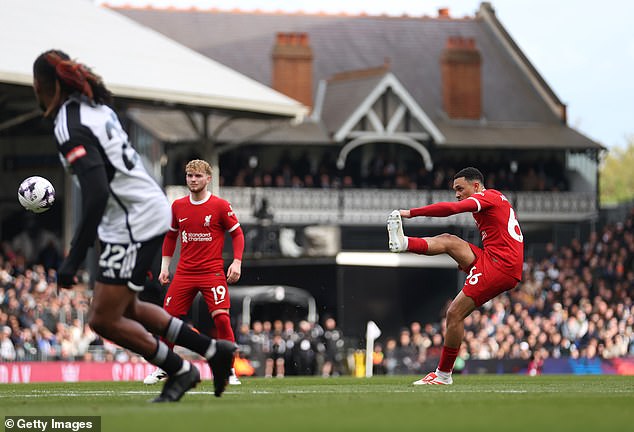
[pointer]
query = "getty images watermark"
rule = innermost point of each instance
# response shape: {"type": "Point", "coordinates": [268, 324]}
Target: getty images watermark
{"type": "Point", "coordinates": [52, 423]}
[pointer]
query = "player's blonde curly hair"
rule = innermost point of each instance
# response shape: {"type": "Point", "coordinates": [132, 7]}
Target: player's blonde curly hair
{"type": "Point", "coordinates": [198, 165]}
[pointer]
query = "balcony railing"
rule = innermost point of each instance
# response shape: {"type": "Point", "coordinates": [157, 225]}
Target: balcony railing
{"type": "Point", "coordinates": [371, 206]}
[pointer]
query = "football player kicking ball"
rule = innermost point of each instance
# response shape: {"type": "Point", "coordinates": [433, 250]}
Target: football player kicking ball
{"type": "Point", "coordinates": [495, 268]}
{"type": "Point", "coordinates": [202, 220]}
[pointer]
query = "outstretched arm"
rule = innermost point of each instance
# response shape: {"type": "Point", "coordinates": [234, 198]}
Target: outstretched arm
{"type": "Point", "coordinates": [442, 209]}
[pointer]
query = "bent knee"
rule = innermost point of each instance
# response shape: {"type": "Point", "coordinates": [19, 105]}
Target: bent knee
{"type": "Point", "coordinates": [446, 243]}
{"type": "Point", "coordinates": [454, 315]}
{"type": "Point", "coordinates": [101, 325]}
{"type": "Point", "coordinates": [98, 325]}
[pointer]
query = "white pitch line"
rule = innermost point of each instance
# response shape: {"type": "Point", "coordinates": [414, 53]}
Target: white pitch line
{"type": "Point", "coordinates": [106, 393]}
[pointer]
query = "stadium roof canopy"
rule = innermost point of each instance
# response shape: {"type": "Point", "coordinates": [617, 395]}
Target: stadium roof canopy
{"type": "Point", "coordinates": [137, 63]}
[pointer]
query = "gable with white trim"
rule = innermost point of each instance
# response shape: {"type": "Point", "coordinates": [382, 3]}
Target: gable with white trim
{"type": "Point", "coordinates": [387, 109]}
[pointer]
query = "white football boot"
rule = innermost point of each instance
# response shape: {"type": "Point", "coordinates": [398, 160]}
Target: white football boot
{"type": "Point", "coordinates": [435, 378]}
{"type": "Point", "coordinates": [397, 240]}
{"type": "Point", "coordinates": [156, 376]}
{"type": "Point", "coordinates": [233, 378]}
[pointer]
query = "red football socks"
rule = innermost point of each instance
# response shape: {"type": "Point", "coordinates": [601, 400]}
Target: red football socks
{"type": "Point", "coordinates": [447, 359]}
{"type": "Point", "coordinates": [417, 245]}
{"type": "Point", "coordinates": [222, 322]}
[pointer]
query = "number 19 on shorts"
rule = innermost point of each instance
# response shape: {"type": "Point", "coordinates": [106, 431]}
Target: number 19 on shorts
{"type": "Point", "coordinates": [219, 292]}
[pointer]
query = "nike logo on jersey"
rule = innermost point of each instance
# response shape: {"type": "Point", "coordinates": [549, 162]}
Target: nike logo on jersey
{"type": "Point", "coordinates": [182, 220]}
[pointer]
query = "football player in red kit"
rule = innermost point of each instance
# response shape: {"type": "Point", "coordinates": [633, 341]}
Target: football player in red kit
{"type": "Point", "coordinates": [495, 268]}
{"type": "Point", "coordinates": [200, 221]}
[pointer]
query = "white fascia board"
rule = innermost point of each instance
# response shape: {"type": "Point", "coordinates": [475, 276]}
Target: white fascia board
{"type": "Point", "coordinates": [364, 107]}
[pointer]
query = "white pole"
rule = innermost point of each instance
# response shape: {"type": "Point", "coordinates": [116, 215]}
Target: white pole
{"type": "Point", "coordinates": [372, 332]}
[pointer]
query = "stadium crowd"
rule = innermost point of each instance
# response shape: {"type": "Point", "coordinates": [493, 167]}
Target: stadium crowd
{"type": "Point", "coordinates": [40, 322]}
{"type": "Point", "coordinates": [383, 171]}
{"type": "Point", "coordinates": [277, 349]}
{"type": "Point", "coordinates": [573, 301]}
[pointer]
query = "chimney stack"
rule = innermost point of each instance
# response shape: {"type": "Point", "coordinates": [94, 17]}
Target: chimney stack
{"type": "Point", "coordinates": [293, 66]}
{"type": "Point", "coordinates": [460, 64]}
{"type": "Point", "coordinates": [443, 13]}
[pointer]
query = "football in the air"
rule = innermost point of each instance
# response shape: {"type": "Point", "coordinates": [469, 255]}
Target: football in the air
{"type": "Point", "coordinates": [36, 194]}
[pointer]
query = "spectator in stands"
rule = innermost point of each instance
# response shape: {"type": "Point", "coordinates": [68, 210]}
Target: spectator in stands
{"type": "Point", "coordinates": [536, 365]}
{"type": "Point", "coordinates": [332, 340]}
{"type": "Point", "coordinates": [382, 171]}
{"type": "Point", "coordinates": [28, 350]}
{"type": "Point", "coordinates": [7, 349]}
{"type": "Point", "coordinates": [304, 350]}
{"type": "Point", "coordinates": [378, 360]}
{"type": "Point", "coordinates": [259, 343]}
{"type": "Point", "coordinates": [391, 360]}
{"type": "Point", "coordinates": [406, 355]}
{"type": "Point", "coordinates": [275, 361]}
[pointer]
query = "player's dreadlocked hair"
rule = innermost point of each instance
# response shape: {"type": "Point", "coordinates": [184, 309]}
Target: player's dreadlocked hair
{"type": "Point", "coordinates": [56, 72]}
{"type": "Point", "coordinates": [470, 174]}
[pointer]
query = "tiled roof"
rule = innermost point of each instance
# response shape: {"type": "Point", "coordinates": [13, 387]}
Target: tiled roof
{"type": "Point", "coordinates": [244, 41]}
{"type": "Point", "coordinates": [518, 136]}
{"type": "Point", "coordinates": [343, 97]}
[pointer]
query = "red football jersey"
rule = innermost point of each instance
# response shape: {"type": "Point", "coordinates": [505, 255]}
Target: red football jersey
{"type": "Point", "coordinates": [202, 226]}
{"type": "Point", "coordinates": [501, 234]}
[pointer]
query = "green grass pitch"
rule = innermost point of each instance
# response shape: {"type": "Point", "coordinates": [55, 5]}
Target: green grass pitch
{"type": "Point", "coordinates": [474, 403]}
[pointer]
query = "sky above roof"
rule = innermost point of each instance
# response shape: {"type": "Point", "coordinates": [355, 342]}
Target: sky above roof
{"type": "Point", "coordinates": [583, 49]}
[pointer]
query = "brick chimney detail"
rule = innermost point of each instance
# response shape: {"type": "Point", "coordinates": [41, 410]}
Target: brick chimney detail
{"type": "Point", "coordinates": [293, 66]}
{"type": "Point", "coordinates": [460, 64]}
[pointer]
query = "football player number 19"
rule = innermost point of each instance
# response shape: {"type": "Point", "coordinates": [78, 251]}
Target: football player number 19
{"type": "Point", "coordinates": [219, 293]}
{"type": "Point", "coordinates": [514, 228]}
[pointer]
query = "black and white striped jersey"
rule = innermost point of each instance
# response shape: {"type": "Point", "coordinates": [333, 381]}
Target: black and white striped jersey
{"type": "Point", "coordinates": [90, 136]}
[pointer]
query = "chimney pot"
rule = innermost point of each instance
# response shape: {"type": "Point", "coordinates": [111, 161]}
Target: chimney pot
{"type": "Point", "coordinates": [443, 12]}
